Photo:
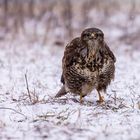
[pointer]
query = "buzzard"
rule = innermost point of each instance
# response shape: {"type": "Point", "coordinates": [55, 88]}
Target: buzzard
{"type": "Point", "coordinates": [87, 64]}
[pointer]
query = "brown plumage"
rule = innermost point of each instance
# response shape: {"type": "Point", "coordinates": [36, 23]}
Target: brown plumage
{"type": "Point", "coordinates": [88, 64]}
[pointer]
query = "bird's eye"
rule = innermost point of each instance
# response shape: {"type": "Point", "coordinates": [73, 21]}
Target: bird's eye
{"type": "Point", "coordinates": [100, 34]}
{"type": "Point", "coordinates": [86, 35]}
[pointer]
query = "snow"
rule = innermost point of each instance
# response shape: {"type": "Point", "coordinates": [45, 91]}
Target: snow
{"type": "Point", "coordinates": [44, 117]}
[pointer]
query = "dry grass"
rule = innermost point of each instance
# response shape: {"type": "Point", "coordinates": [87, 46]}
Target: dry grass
{"type": "Point", "coordinates": [36, 21]}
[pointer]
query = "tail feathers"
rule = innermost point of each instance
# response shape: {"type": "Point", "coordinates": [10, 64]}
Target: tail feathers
{"type": "Point", "coordinates": [61, 92]}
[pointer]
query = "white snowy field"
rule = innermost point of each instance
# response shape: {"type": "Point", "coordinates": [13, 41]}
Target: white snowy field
{"type": "Point", "coordinates": [36, 114]}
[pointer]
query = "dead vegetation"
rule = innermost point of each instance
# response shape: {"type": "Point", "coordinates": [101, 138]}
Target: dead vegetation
{"type": "Point", "coordinates": [65, 19]}
{"type": "Point", "coordinates": [31, 97]}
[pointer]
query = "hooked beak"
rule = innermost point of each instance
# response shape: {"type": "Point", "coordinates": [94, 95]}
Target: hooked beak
{"type": "Point", "coordinates": [94, 35]}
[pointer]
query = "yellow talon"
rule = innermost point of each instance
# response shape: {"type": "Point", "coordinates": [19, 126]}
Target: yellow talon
{"type": "Point", "coordinates": [101, 98]}
{"type": "Point", "coordinates": [81, 97]}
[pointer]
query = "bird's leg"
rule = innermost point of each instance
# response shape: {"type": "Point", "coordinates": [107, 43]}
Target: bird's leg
{"type": "Point", "coordinates": [101, 98]}
{"type": "Point", "coordinates": [81, 97]}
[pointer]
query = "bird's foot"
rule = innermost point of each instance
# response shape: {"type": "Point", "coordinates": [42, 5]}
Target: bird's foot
{"type": "Point", "coordinates": [101, 100]}
{"type": "Point", "coordinates": [81, 101]}
{"type": "Point", "coordinates": [81, 98]}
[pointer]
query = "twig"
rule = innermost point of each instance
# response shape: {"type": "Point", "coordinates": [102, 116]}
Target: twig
{"type": "Point", "coordinates": [13, 110]}
{"type": "Point", "coordinates": [27, 86]}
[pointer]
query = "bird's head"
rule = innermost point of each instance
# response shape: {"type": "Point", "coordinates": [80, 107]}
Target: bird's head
{"type": "Point", "coordinates": [93, 37]}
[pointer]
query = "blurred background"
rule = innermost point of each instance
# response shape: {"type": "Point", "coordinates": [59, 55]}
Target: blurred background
{"type": "Point", "coordinates": [56, 22]}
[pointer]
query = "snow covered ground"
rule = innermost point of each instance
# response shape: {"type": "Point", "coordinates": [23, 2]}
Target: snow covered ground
{"type": "Point", "coordinates": [39, 115]}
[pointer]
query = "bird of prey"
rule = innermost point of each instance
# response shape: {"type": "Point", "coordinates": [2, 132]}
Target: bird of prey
{"type": "Point", "coordinates": [87, 64]}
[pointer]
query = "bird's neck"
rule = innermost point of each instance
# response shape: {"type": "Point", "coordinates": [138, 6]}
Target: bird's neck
{"type": "Point", "coordinates": [92, 49]}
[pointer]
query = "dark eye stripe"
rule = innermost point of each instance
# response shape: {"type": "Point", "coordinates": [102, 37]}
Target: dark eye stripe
{"type": "Point", "coordinates": [86, 34]}
{"type": "Point", "coordinates": [100, 34]}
